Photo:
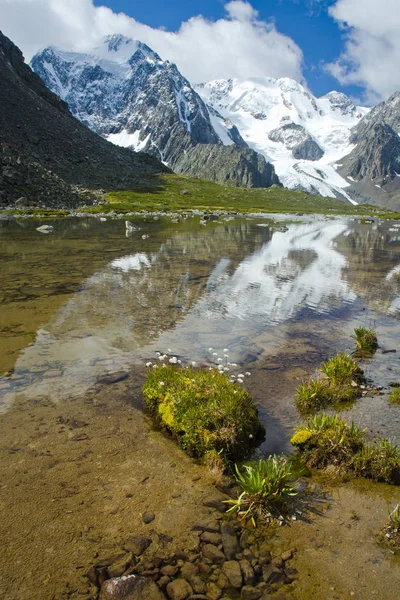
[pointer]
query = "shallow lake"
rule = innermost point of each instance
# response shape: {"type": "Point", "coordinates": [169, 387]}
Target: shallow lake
{"type": "Point", "coordinates": [91, 299]}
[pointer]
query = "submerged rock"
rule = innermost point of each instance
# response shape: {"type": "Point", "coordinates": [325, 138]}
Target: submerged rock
{"type": "Point", "coordinates": [130, 588]}
{"type": "Point", "coordinates": [45, 228]}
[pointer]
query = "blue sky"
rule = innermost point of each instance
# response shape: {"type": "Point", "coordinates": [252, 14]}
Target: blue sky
{"type": "Point", "coordinates": [307, 22]}
{"type": "Point", "coordinates": [347, 45]}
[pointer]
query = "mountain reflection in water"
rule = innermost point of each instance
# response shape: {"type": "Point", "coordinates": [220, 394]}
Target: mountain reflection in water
{"type": "Point", "coordinates": [195, 287]}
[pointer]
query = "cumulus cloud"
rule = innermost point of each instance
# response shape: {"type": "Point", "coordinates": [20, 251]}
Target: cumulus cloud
{"type": "Point", "coordinates": [372, 49]}
{"type": "Point", "coordinates": [238, 45]}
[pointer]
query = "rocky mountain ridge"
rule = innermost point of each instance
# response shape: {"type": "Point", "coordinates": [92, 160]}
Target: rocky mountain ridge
{"type": "Point", "coordinates": [45, 153]}
{"type": "Point", "coordinates": [126, 93]}
{"type": "Point", "coordinates": [301, 135]}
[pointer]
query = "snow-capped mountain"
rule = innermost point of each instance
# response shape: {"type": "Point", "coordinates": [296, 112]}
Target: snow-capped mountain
{"type": "Point", "coordinates": [303, 136]}
{"type": "Point", "coordinates": [125, 92]}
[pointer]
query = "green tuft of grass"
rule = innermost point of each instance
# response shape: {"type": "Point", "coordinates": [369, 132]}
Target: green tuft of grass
{"type": "Point", "coordinates": [341, 369]}
{"type": "Point", "coordinates": [325, 440]}
{"type": "Point", "coordinates": [206, 412]}
{"type": "Point", "coordinates": [379, 461]}
{"type": "Point", "coordinates": [366, 342]}
{"type": "Point", "coordinates": [340, 385]}
{"type": "Point", "coordinates": [266, 488]}
{"type": "Point", "coordinates": [394, 397]}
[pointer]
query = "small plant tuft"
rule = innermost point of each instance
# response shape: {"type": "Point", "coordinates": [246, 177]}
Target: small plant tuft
{"type": "Point", "coordinates": [266, 488]}
{"type": "Point", "coordinates": [340, 385]}
{"type": "Point", "coordinates": [366, 342]}
{"type": "Point", "coordinates": [394, 397]}
{"type": "Point", "coordinates": [341, 369]}
{"type": "Point", "coordinates": [390, 535]}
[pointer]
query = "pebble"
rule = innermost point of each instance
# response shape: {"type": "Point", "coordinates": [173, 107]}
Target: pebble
{"type": "Point", "coordinates": [148, 517]}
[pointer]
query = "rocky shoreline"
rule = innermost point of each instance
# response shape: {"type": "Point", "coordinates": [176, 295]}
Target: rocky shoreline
{"type": "Point", "coordinates": [225, 561]}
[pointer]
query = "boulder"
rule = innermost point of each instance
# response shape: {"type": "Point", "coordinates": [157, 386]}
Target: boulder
{"type": "Point", "coordinates": [130, 588]}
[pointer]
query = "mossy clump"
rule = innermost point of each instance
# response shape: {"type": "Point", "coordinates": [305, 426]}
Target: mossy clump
{"type": "Point", "coordinates": [326, 440]}
{"type": "Point", "coordinates": [206, 412]}
{"type": "Point", "coordinates": [366, 342]}
{"type": "Point", "coordinates": [341, 384]}
{"type": "Point", "coordinates": [394, 397]}
{"type": "Point", "coordinates": [301, 437]}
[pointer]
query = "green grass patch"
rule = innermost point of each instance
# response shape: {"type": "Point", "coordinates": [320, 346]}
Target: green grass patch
{"type": "Point", "coordinates": [339, 386]}
{"type": "Point", "coordinates": [366, 342]}
{"type": "Point", "coordinates": [394, 397]}
{"type": "Point", "coordinates": [326, 440]}
{"type": "Point", "coordinates": [46, 213]}
{"type": "Point", "coordinates": [176, 193]}
{"type": "Point", "coordinates": [266, 488]}
{"type": "Point", "coordinates": [206, 412]}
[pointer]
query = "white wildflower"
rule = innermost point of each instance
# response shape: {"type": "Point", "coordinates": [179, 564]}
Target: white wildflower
{"type": "Point", "coordinates": [235, 391]}
{"type": "Point", "coordinates": [247, 374]}
{"type": "Point", "coordinates": [149, 364]}
{"type": "Point", "coordinates": [240, 380]}
{"type": "Point", "coordinates": [226, 350]}
{"type": "Point", "coordinates": [193, 363]}
{"type": "Point", "coordinates": [161, 383]}
{"type": "Point", "coordinates": [234, 365]}
{"type": "Point", "coordinates": [219, 360]}
{"type": "Point", "coordinates": [173, 360]}
{"type": "Point", "coordinates": [240, 376]}
{"type": "Point", "coordinates": [226, 356]}
{"type": "Point", "coordinates": [179, 361]}
{"type": "Point", "coordinates": [210, 349]}
{"type": "Point", "coordinates": [158, 353]}
{"type": "Point", "coordinates": [215, 353]}
{"type": "Point", "coordinates": [169, 350]}
{"type": "Point", "coordinates": [155, 366]}
{"type": "Point", "coordinates": [226, 369]}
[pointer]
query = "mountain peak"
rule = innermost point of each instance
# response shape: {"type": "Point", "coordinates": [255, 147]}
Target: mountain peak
{"type": "Point", "coordinates": [116, 40]}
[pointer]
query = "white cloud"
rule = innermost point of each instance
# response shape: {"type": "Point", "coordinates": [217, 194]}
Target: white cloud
{"type": "Point", "coordinates": [372, 52]}
{"type": "Point", "coordinates": [239, 45]}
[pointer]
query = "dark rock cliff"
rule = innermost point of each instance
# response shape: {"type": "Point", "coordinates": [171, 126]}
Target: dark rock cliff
{"type": "Point", "coordinates": [45, 150]}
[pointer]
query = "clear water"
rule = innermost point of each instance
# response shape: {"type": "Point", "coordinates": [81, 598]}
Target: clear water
{"type": "Point", "coordinates": [90, 299]}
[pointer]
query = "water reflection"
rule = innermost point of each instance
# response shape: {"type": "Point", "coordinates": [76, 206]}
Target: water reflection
{"type": "Point", "coordinates": [189, 287]}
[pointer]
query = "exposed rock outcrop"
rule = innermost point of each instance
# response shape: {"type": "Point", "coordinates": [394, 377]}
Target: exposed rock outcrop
{"type": "Point", "coordinates": [228, 165]}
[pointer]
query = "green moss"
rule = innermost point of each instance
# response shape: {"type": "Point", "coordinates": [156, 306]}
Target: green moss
{"type": "Point", "coordinates": [203, 410]}
{"type": "Point", "coordinates": [301, 437]}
